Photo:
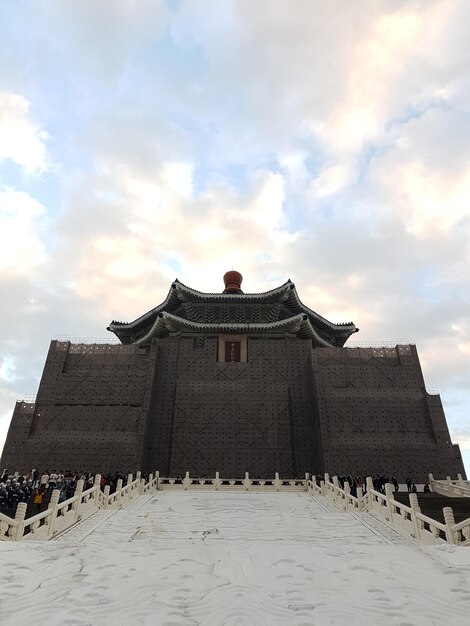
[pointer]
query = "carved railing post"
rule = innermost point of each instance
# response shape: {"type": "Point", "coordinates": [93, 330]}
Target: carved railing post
{"type": "Point", "coordinates": [448, 486]}
{"type": "Point", "coordinates": [217, 482]}
{"type": "Point", "coordinates": [78, 492]}
{"type": "Point", "coordinates": [449, 522]}
{"type": "Point", "coordinates": [335, 487]}
{"type": "Point", "coordinates": [430, 479]}
{"type": "Point", "coordinates": [307, 478]}
{"type": "Point", "coordinates": [389, 495]}
{"type": "Point", "coordinates": [96, 494]}
{"type": "Point", "coordinates": [19, 517]}
{"type": "Point", "coordinates": [157, 476]}
{"type": "Point", "coordinates": [347, 490]}
{"type": "Point", "coordinates": [369, 494]}
{"type": "Point", "coordinates": [359, 497]}
{"type": "Point", "coordinates": [106, 496]}
{"type": "Point", "coordinates": [186, 482]}
{"type": "Point", "coordinates": [417, 523]}
{"type": "Point", "coordinates": [54, 501]}
{"type": "Point", "coordinates": [119, 491]}
{"type": "Point", "coordinates": [277, 482]}
{"type": "Point", "coordinates": [247, 482]}
{"type": "Point", "coordinates": [460, 480]}
{"type": "Point", "coordinates": [322, 488]}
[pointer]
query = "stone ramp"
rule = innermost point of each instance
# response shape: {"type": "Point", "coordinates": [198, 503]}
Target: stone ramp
{"type": "Point", "coordinates": [245, 559]}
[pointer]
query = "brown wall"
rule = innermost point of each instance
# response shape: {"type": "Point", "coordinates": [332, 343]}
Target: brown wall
{"type": "Point", "coordinates": [212, 416]}
{"type": "Point", "coordinates": [290, 408]}
{"type": "Point", "coordinates": [376, 416]}
{"type": "Point", "coordinates": [90, 411]}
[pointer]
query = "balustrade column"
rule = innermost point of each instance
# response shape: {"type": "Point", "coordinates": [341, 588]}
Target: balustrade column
{"type": "Point", "coordinates": [76, 506]}
{"type": "Point", "coordinates": [106, 496]}
{"type": "Point", "coordinates": [369, 494]}
{"type": "Point", "coordinates": [277, 482]}
{"type": "Point", "coordinates": [389, 495]}
{"type": "Point", "coordinates": [54, 501]}
{"type": "Point", "coordinates": [96, 494]}
{"type": "Point", "coordinates": [359, 497]}
{"type": "Point", "coordinates": [247, 482]}
{"type": "Point", "coordinates": [314, 482]}
{"type": "Point", "coordinates": [430, 479]}
{"type": "Point", "coordinates": [417, 523]}
{"type": "Point", "coordinates": [19, 517]}
{"type": "Point", "coordinates": [347, 491]}
{"type": "Point", "coordinates": [119, 491]}
{"type": "Point", "coordinates": [186, 482]}
{"type": "Point", "coordinates": [449, 522]}
{"type": "Point", "coordinates": [217, 482]}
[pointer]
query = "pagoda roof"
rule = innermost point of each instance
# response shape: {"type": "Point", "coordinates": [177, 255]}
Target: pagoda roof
{"type": "Point", "coordinates": [188, 310]}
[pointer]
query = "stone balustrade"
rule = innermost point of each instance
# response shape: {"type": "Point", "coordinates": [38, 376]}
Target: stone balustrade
{"type": "Point", "coordinates": [234, 484]}
{"type": "Point", "coordinates": [407, 520]}
{"type": "Point", "coordinates": [449, 487]}
{"type": "Point", "coordinates": [58, 517]}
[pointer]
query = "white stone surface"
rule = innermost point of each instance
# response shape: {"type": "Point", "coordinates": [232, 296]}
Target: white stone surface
{"type": "Point", "coordinates": [234, 559]}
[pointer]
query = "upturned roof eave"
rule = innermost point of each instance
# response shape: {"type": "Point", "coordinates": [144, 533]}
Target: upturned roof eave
{"type": "Point", "coordinates": [330, 325]}
{"type": "Point", "coordinates": [178, 288]}
{"type": "Point", "coordinates": [216, 297]}
{"type": "Point", "coordinates": [164, 322]}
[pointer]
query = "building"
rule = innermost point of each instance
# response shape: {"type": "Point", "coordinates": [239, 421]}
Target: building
{"type": "Point", "coordinates": [233, 382]}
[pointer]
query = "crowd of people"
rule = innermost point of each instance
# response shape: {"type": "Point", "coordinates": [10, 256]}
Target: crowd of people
{"type": "Point", "coordinates": [379, 483]}
{"type": "Point", "coordinates": [36, 487]}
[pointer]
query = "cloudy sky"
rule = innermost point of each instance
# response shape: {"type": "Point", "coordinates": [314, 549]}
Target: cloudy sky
{"type": "Point", "coordinates": [326, 142]}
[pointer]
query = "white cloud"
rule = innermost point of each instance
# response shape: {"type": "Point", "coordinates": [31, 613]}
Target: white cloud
{"type": "Point", "coordinates": [7, 369]}
{"type": "Point", "coordinates": [21, 248]}
{"type": "Point", "coordinates": [179, 178]}
{"type": "Point", "coordinates": [21, 140]}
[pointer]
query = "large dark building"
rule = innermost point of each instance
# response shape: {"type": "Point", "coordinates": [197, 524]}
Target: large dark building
{"type": "Point", "coordinates": [232, 382]}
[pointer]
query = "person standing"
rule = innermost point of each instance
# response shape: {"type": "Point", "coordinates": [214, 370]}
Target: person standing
{"type": "Point", "coordinates": [44, 481]}
{"type": "Point", "coordinates": [38, 497]}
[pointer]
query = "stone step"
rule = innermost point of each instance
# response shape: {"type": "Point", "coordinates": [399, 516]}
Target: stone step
{"type": "Point", "coordinates": [431, 504]}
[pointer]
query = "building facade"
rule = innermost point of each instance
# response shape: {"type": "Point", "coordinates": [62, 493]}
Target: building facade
{"type": "Point", "coordinates": [233, 382]}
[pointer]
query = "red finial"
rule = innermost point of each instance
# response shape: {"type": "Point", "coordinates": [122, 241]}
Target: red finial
{"type": "Point", "coordinates": [233, 281]}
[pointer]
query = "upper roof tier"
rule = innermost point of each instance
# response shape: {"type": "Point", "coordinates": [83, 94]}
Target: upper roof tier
{"type": "Point", "coordinates": [274, 312]}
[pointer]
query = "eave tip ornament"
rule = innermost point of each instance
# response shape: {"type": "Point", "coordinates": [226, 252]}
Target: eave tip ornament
{"type": "Point", "coordinates": [233, 281]}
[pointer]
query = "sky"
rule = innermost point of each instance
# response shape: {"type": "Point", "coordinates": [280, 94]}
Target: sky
{"type": "Point", "coordinates": [325, 142]}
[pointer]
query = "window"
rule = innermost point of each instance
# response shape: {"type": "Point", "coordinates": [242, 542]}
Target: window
{"type": "Point", "coordinates": [232, 351]}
